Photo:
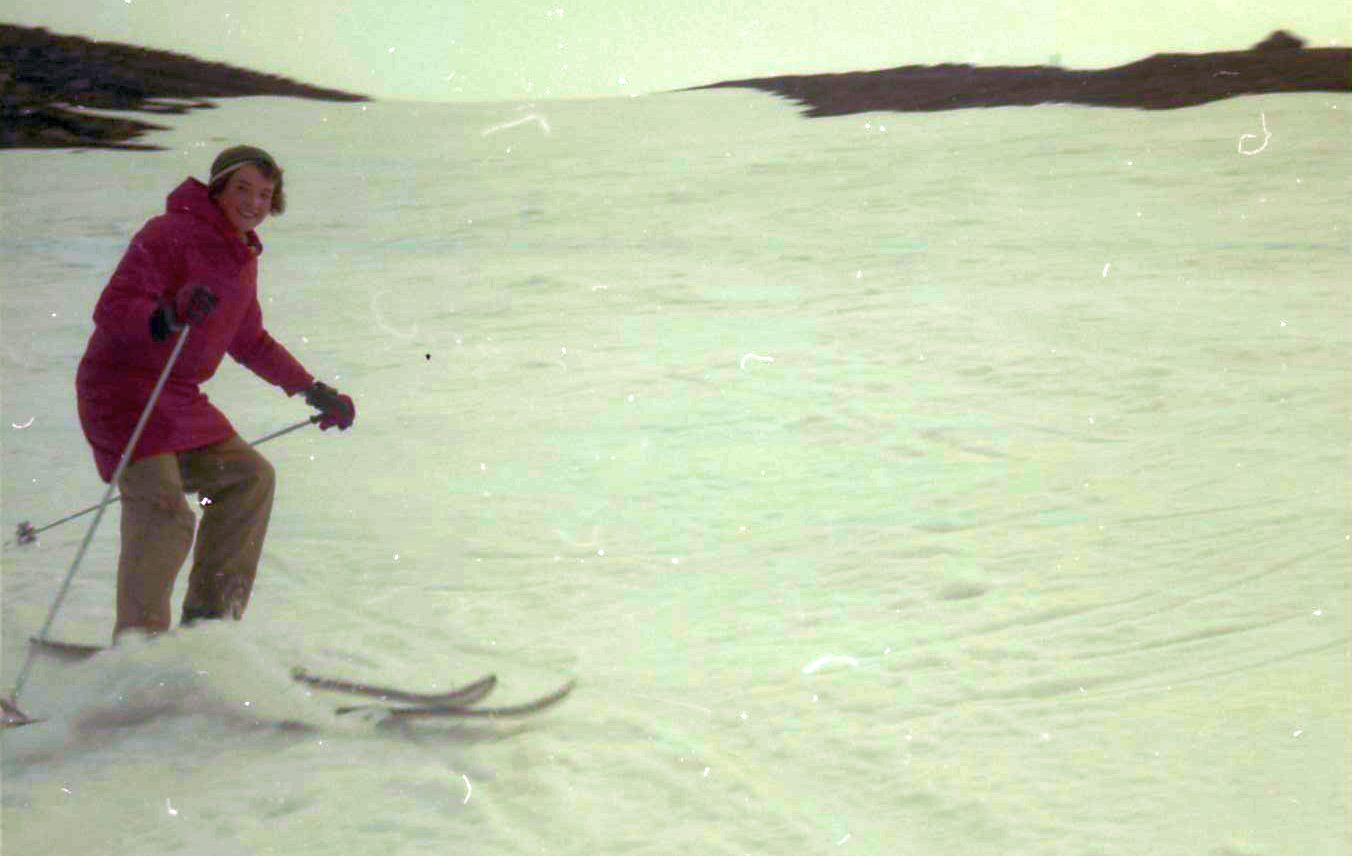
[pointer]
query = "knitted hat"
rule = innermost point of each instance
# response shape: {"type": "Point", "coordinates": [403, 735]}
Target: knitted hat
{"type": "Point", "coordinates": [237, 156]}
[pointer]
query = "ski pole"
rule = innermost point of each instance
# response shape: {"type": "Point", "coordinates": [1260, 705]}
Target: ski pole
{"type": "Point", "coordinates": [12, 703]}
{"type": "Point", "coordinates": [28, 535]}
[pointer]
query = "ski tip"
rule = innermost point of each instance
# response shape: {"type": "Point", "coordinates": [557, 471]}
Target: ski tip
{"type": "Point", "coordinates": [13, 717]}
{"type": "Point", "coordinates": [65, 650]}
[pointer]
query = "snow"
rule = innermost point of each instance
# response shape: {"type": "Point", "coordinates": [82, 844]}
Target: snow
{"type": "Point", "coordinates": [976, 486]}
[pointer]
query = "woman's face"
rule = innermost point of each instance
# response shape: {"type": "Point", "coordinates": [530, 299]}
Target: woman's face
{"type": "Point", "coordinates": [247, 198]}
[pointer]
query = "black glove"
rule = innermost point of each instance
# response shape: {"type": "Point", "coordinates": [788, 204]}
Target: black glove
{"type": "Point", "coordinates": [336, 408]}
{"type": "Point", "coordinates": [191, 305]}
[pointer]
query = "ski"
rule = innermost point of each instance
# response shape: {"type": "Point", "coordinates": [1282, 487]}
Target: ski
{"type": "Point", "coordinates": [13, 717]}
{"type": "Point", "coordinates": [407, 714]}
{"type": "Point", "coordinates": [457, 703]}
{"type": "Point", "coordinates": [460, 696]}
{"type": "Point", "coordinates": [464, 695]}
{"type": "Point", "coordinates": [68, 650]}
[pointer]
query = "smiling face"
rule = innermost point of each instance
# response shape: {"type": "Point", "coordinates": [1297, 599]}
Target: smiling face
{"type": "Point", "coordinates": [247, 198]}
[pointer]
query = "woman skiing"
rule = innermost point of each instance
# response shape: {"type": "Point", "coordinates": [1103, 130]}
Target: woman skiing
{"type": "Point", "coordinates": [195, 266]}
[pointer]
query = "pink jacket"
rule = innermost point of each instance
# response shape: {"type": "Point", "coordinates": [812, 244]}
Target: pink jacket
{"type": "Point", "coordinates": [191, 243]}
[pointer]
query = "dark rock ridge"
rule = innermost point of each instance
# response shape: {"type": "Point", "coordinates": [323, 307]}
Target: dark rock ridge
{"type": "Point", "coordinates": [1279, 63]}
{"type": "Point", "coordinates": [47, 80]}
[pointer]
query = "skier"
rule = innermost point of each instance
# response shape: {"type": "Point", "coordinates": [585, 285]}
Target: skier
{"type": "Point", "coordinates": [194, 266]}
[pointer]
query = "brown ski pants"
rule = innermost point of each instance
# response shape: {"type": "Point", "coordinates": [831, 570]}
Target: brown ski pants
{"type": "Point", "coordinates": [235, 486]}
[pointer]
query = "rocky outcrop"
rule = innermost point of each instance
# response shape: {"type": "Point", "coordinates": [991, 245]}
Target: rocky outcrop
{"type": "Point", "coordinates": [1280, 63]}
{"type": "Point", "coordinates": [49, 81]}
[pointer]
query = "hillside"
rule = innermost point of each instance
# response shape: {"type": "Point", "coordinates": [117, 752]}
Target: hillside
{"type": "Point", "coordinates": [1280, 63]}
{"type": "Point", "coordinates": [48, 82]}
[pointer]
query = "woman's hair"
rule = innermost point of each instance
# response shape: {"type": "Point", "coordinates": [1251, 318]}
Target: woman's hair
{"type": "Point", "coordinates": [270, 171]}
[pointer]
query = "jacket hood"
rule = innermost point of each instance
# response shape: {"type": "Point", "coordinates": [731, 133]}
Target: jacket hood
{"type": "Point", "coordinates": [191, 198]}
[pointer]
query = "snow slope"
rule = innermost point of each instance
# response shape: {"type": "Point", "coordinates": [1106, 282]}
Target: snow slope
{"type": "Point", "coordinates": [959, 483]}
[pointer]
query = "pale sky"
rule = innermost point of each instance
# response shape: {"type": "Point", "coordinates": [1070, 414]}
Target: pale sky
{"type": "Point", "coordinates": [485, 50]}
